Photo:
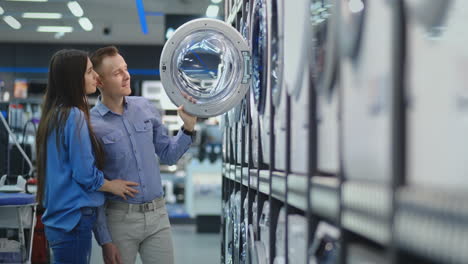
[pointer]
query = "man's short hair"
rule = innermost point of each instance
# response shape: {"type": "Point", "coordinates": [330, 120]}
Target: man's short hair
{"type": "Point", "coordinates": [98, 56]}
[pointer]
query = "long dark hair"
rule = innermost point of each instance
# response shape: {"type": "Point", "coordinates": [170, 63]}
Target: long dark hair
{"type": "Point", "coordinates": [65, 90]}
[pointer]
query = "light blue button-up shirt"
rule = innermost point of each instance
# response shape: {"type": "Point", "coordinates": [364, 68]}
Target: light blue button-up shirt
{"type": "Point", "coordinates": [72, 179]}
{"type": "Point", "coordinates": [133, 142]}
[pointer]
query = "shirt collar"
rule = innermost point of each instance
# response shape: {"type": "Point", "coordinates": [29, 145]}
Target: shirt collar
{"type": "Point", "coordinates": [103, 109]}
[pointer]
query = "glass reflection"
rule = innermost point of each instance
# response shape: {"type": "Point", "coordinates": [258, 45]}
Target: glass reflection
{"type": "Point", "coordinates": [204, 64]}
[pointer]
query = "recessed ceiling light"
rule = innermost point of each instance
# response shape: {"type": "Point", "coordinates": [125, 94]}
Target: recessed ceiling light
{"type": "Point", "coordinates": [85, 23]}
{"type": "Point", "coordinates": [216, 1]}
{"type": "Point", "coordinates": [12, 22]}
{"type": "Point", "coordinates": [54, 29]}
{"type": "Point", "coordinates": [1, 11]}
{"type": "Point", "coordinates": [212, 11]}
{"type": "Point", "coordinates": [75, 8]}
{"type": "Point", "coordinates": [42, 15]}
{"type": "Point", "coordinates": [27, 0]}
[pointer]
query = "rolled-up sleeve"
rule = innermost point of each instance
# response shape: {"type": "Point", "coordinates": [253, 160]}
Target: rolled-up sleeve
{"type": "Point", "coordinates": [81, 155]}
{"type": "Point", "coordinates": [101, 231]}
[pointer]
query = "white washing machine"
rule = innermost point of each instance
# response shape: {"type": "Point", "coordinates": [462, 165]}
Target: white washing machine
{"type": "Point", "coordinates": [264, 225]}
{"type": "Point", "coordinates": [244, 256]}
{"type": "Point", "coordinates": [297, 41]}
{"type": "Point", "coordinates": [369, 42]}
{"type": "Point", "coordinates": [259, 89]}
{"type": "Point", "coordinates": [324, 71]}
{"type": "Point", "coordinates": [237, 223]}
{"type": "Point", "coordinates": [242, 129]}
{"type": "Point", "coordinates": [437, 94]}
{"type": "Point", "coordinates": [275, 80]}
{"type": "Point", "coordinates": [280, 243]}
{"type": "Point", "coordinates": [297, 239]}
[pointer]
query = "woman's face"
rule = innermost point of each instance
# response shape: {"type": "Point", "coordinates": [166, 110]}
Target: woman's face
{"type": "Point", "coordinates": [90, 78]}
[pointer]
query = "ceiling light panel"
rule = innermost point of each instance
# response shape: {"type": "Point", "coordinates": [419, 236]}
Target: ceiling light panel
{"type": "Point", "coordinates": [27, 0]}
{"type": "Point", "coordinates": [212, 11]}
{"type": "Point", "coordinates": [75, 8]}
{"type": "Point", "coordinates": [54, 29]}
{"type": "Point", "coordinates": [12, 22]}
{"type": "Point", "coordinates": [42, 15]}
{"type": "Point", "coordinates": [85, 23]}
{"type": "Point", "coordinates": [1, 11]}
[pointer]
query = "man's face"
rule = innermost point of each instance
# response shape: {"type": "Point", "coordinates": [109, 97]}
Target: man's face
{"type": "Point", "coordinates": [114, 79]}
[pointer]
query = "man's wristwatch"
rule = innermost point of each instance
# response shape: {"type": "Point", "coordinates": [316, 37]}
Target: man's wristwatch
{"type": "Point", "coordinates": [189, 133]}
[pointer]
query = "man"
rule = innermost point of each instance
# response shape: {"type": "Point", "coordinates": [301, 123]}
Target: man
{"type": "Point", "coordinates": [132, 134]}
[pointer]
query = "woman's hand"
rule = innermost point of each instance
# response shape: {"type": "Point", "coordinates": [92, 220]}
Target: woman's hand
{"type": "Point", "coordinates": [120, 188]}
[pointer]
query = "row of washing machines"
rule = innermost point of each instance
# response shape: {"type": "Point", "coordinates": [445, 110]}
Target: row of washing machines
{"type": "Point", "coordinates": [383, 86]}
{"type": "Point", "coordinates": [250, 243]}
{"type": "Point", "coordinates": [381, 82]}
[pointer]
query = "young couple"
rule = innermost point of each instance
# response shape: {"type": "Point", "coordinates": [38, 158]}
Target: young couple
{"type": "Point", "coordinates": [115, 149]}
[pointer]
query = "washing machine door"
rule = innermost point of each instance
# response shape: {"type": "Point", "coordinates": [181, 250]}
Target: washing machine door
{"type": "Point", "coordinates": [259, 44]}
{"type": "Point", "coordinates": [208, 60]}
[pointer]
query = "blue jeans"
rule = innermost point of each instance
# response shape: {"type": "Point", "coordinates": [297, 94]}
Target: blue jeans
{"type": "Point", "coordinates": [73, 247]}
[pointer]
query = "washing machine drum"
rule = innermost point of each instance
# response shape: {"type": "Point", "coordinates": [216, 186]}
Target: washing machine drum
{"type": "Point", "coordinates": [209, 60]}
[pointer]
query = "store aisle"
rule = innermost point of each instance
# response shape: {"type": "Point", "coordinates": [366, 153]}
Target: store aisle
{"type": "Point", "coordinates": [190, 247]}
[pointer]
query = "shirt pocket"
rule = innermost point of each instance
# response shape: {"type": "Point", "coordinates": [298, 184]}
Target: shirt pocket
{"type": "Point", "coordinates": [143, 126]}
{"type": "Point", "coordinates": [114, 145]}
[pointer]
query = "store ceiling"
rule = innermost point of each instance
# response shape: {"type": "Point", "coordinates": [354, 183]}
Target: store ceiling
{"type": "Point", "coordinates": [114, 21]}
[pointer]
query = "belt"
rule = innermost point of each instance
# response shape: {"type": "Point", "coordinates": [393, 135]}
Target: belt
{"type": "Point", "coordinates": [143, 207]}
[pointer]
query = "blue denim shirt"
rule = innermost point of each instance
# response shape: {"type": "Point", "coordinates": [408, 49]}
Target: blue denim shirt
{"type": "Point", "coordinates": [72, 180]}
{"type": "Point", "coordinates": [133, 142]}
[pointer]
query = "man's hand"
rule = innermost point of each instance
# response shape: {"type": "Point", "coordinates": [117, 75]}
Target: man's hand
{"type": "Point", "coordinates": [189, 120]}
{"type": "Point", "coordinates": [111, 254]}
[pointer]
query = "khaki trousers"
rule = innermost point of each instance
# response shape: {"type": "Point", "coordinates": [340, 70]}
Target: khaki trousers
{"type": "Point", "coordinates": [147, 232]}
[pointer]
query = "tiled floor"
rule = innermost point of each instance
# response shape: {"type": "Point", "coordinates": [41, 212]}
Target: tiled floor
{"type": "Point", "coordinates": [190, 247]}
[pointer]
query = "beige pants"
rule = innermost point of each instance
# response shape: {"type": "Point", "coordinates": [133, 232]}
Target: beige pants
{"type": "Point", "coordinates": [147, 233]}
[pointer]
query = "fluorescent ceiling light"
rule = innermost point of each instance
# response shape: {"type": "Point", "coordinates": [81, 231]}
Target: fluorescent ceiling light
{"type": "Point", "coordinates": [75, 8]}
{"type": "Point", "coordinates": [54, 29]}
{"type": "Point", "coordinates": [85, 23]}
{"type": "Point", "coordinates": [212, 11]}
{"type": "Point", "coordinates": [42, 15]}
{"type": "Point", "coordinates": [216, 1]}
{"type": "Point", "coordinates": [12, 22]}
{"type": "Point", "coordinates": [1, 11]}
{"type": "Point", "coordinates": [27, 0]}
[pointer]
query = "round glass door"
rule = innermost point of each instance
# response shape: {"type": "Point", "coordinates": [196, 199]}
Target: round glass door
{"type": "Point", "coordinates": [258, 42]}
{"type": "Point", "coordinates": [208, 60]}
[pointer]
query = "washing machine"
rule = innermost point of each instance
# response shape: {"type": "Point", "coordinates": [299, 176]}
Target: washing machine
{"type": "Point", "coordinates": [224, 125]}
{"type": "Point", "coordinates": [229, 229]}
{"type": "Point", "coordinates": [297, 41]}
{"type": "Point", "coordinates": [369, 46]}
{"type": "Point", "coordinates": [263, 250]}
{"type": "Point", "coordinates": [325, 247]}
{"type": "Point", "coordinates": [258, 45]}
{"type": "Point", "coordinates": [297, 239]}
{"type": "Point", "coordinates": [280, 243]}
{"type": "Point", "coordinates": [255, 215]}
{"type": "Point", "coordinates": [324, 71]}
{"type": "Point", "coordinates": [275, 81]}
{"type": "Point", "coordinates": [242, 133]}
{"type": "Point", "coordinates": [237, 225]}
{"type": "Point", "coordinates": [208, 60]}
{"type": "Point", "coordinates": [244, 256]}
{"type": "Point", "coordinates": [437, 94]}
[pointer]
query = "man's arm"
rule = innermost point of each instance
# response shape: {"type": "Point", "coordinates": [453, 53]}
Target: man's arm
{"type": "Point", "coordinates": [110, 252]}
{"type": "Point", "coordinates": [169, 149]}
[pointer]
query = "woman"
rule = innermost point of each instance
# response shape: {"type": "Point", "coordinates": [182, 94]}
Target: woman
{"type": "Point", "coordinates": [70, 184]}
